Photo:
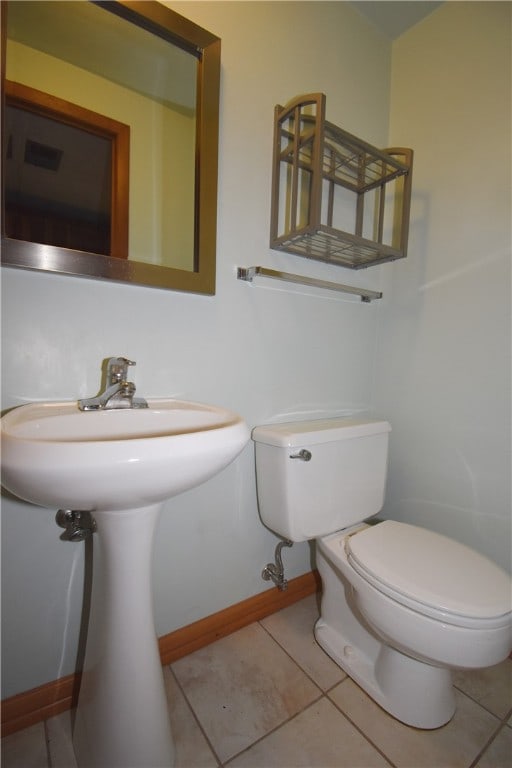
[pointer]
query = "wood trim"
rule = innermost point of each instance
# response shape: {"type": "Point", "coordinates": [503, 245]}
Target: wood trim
{"type": "Point", "coordinates": [205, 631]}
{"type": "Point", "coordinates": [31, 707]}
{"type": "Point", "coordinates": [40, 703]}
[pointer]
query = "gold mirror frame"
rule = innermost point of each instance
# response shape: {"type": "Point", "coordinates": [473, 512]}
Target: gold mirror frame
{"type": "Point", "coordinates": [171, 26]}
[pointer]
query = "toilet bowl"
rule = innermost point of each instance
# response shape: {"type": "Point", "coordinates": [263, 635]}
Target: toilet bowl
{"type": "Point", "coordinates": [401, 605]}
{"type": "Point", "coordinates": [399, 648]}
{"type": "Point", "coordinates": [426, 594]}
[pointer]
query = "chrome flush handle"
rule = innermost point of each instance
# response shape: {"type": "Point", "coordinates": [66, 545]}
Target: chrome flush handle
{"type": "Point", "coordinates": [303, 455]}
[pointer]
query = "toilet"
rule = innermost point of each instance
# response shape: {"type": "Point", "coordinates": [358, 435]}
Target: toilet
{"type": "Point", "coordinates": [401, 605]}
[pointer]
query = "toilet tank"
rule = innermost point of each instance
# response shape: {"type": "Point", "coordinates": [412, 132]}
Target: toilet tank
{"type": "Point", "coordinates": [343, 482]}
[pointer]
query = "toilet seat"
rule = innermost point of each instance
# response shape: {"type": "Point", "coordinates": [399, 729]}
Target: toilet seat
{"type": "Point", "coordinates": [431, 574]}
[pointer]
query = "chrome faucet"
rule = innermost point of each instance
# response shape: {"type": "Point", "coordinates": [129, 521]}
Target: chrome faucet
{"type": "Point", "coordinates": [118, 392]}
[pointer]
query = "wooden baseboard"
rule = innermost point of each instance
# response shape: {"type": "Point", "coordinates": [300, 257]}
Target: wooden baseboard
{"type": "Point", "coordinates": [40, 703]}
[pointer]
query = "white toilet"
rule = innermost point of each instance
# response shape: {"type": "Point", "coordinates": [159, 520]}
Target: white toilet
{"type": "Point", "coordinates": [401, 605]}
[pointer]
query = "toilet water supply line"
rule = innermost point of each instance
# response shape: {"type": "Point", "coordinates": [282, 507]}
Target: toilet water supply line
{"type": "Point", "coordinates": [275, 571]}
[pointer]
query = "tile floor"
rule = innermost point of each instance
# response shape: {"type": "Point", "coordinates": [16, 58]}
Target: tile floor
{"type": "Point", "coordinates": [268, 697]}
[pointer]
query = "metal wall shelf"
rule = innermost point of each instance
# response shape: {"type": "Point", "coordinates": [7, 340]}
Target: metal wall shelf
{"type": "Point", "coordinates": [249, 273]}
{"type": "Point", "coordinates": [336, 198]}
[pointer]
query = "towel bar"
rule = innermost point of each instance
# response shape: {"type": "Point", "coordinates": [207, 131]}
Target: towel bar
{"type": "Point", "coordinates": [249, 273]}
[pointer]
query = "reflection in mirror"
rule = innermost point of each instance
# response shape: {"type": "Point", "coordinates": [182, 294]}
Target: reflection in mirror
{"type": "Point", "coordinates": [65, 174]}
{"type": "Point", "coordinates": [140, 65]}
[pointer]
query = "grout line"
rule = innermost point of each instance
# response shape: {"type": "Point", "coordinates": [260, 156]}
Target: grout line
{"type": "Point", "coordinates": [47, 744]}
{"type": "Point", "coordinates": [325, 695]}
{"type": "Point", "coordinates": [280, 725]}
{"type": "Point", "coordinates": [274, 730]}
{"type": "Point", "coordinates": [480, 704]}
{"type": "Point", "coordinates": [484, 749]}
{"type": "Point", "coordinates": [292, 659]}
{"type": "Point", "coordinates": [358, 729]}
{"type": "Point", "coordinates": [199, 724]}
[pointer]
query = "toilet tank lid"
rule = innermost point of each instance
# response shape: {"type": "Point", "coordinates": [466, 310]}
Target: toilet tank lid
{"type": "Point", "coordinates": [291, 434]}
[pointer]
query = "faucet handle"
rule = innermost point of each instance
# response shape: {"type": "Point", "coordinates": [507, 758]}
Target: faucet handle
{"type": "Point", "coordinates": [117, 369]}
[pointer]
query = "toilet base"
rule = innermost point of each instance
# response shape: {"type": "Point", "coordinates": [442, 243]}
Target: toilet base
{"type": "Point", "coordinates": [415, 693]}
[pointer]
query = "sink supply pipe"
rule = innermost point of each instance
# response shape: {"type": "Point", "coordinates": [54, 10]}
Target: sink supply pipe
{"type": "Point", "coordinates": [275, 571]}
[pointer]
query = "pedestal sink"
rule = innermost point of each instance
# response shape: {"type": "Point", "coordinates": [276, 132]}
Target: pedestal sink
{"type": "Point", "coordinates": [120, 465]}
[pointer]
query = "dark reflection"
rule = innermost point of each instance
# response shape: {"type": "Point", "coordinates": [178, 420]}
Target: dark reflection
{"type": "Point", "coordinates": [58, 182]}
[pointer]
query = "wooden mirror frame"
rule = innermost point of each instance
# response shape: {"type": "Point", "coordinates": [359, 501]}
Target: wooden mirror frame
{"type": "Point", "coordinates": [169, 25]}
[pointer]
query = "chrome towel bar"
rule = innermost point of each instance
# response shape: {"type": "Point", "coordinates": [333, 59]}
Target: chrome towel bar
{"type": "Point", "coordinates": [249, 273]}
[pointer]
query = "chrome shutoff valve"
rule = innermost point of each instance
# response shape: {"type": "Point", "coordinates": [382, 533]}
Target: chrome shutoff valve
{"type": "Point", "coordinates": [77, 524]}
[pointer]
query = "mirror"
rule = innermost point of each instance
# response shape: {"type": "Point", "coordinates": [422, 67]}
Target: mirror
{"type": "Point", "coordinates": [149, 78]}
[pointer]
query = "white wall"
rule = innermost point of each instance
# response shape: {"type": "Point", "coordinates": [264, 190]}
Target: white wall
{"type": "Point", "coordinates": [443, 361]}
{"type": "Point", "coordinates": [263, 351]}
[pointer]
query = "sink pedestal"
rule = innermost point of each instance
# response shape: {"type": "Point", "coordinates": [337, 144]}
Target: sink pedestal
{"type": "Point", "coordinates": [122, 718]}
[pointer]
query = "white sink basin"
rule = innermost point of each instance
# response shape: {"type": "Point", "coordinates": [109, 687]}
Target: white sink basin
{"type": "Point", "coordinates": [55, 455]}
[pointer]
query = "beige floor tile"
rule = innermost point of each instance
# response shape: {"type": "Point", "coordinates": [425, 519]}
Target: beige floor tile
{"type": "Point", "coordinates": [191, 746]}
{"type": "Point", "coordinates": [242, 687]}
{"type": "Point", "coordinates": [25, 749]}
{"type": "Point", "coordinates": [320, 737]}
{"type": "Point", "coordinates": [491, 687]}
{"type": "Point", "coordinates": [455, 745]}
{"type": "Point", "coordinates": [292, 628]}
{"type": "Point", "coordinates": [499, 753]}
{"type": "Point", "coordinates": [60, 746]}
